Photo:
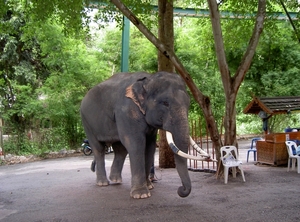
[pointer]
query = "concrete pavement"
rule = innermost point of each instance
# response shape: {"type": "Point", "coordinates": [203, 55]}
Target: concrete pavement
{"type": "Point", "coordinates": [64, 190]}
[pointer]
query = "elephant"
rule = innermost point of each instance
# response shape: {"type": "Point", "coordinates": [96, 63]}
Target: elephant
{"type": "Point", "coordinates": [126, 111]}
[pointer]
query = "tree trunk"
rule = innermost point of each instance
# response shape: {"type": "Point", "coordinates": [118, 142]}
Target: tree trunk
{"type": "Point", "coordinates": [166, 36]}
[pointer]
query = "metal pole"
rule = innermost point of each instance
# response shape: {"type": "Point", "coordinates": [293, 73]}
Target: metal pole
{"type": "Point", "coordinates": [1, 140]}
{"type": "Point", "coordinates": [125, 45]}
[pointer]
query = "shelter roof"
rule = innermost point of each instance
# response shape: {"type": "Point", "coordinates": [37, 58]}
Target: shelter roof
{"type": "Point", "coordinates": [273, 105]}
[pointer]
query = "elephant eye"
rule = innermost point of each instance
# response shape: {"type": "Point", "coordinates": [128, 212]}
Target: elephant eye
{"type": "Point", "coordinates": [165, 103]}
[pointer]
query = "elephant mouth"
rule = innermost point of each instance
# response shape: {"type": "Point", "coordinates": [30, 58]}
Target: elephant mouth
{"type": "Point", "coordinates": [203, 156]}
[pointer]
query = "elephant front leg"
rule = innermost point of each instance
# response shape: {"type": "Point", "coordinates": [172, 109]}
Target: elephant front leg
{"type": "Point", "coordinates": [133, 138]}
{"type": "Point", "coordinates": [139, 191]}
{"type": "Point", "coordinates": [139, 186]}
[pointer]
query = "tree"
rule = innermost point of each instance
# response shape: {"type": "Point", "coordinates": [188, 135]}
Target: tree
{"type": "Point", "coordinates": [166, 36]}
{"type": "Point", "coordinates": [21, 71]}
{"type": "Point", "coordinates": [231, 84]}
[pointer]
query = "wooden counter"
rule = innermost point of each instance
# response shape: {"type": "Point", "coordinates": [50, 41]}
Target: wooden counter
{"type": "Point", "coordinates": [273, 150]}
{"type": "Point", "coordinates": [271, 153]}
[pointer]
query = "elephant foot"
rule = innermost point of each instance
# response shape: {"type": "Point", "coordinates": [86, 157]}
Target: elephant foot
{"type": "Point", "coordinates": [115, 179]}
{"type": "Point", "coordinates": [102, 183]}
{"type": "Point", "coordinates": [140, 193]}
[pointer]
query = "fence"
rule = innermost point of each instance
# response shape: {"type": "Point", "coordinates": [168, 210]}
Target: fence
{"type": "Point", "coordinates": [202, 138]}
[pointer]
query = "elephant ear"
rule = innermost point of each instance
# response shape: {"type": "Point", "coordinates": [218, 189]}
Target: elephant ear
{"type": "Point", "coordinates": [137, 93]}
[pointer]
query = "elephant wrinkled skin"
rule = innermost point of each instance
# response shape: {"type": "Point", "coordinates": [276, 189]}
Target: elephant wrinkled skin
{"type": "Point", "coordinates": [126, 111]}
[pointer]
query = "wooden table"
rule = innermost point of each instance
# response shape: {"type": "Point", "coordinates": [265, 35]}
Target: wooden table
{"type": "Point", "coordinates": [273, 150]}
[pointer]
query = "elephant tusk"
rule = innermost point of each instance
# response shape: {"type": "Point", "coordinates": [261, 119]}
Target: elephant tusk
{"type": "Point", "coordinates": [199, 150]}
{"type": "Point", "coordinates": [195, 146]}
{"type": "Point", "coordinates": [185, 155]}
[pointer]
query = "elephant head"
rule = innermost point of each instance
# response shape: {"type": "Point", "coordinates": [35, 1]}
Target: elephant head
{"type": "Point", "coordinates": [162, 98]}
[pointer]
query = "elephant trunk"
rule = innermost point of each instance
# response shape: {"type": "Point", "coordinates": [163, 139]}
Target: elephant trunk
{"type": "Point", "coordinates": [182, 141]}
{"type": "Point", "coordinates": [181, 166]}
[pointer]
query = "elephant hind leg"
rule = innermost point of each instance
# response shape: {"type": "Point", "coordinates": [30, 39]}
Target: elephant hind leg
{"type": "Point", "coordinates": [120, 153]}
{"type": "Point", "coordinates": [98, 163]}
{"type": "Point", "coordinates": [98, 148]}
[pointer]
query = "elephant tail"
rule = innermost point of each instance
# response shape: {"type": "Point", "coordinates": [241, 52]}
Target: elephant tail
{"type": "Point", "coordinates": [93, 166]}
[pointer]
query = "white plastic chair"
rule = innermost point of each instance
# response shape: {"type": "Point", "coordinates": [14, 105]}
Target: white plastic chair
{"type": "Point", "coordinates": [229, 157]}
{"type": "Point", "coordinates": [292, 157]}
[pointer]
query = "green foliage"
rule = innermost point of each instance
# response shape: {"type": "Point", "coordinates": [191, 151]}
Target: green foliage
{"type": "Point", "coordinates": [74, 69]}
{"type": "Point", "coordinates": [110, 49]}
{"type": "Point", "coordinates": [20, 72]}
{"type": "Point", "coordinates": [50, 140]}
{"type": "Point", "coordinates": [275, 66]}
{"type": "Point", "coordinates": [142, 54]}
{"type": "Point", "coordinates": [274, 72]}
{"type": "Point", "coordinates": [71, 14]}
{"type": "Point", "coordinates": [194, 47]}
{"type": "Point", "coordinates": [25, 106]}
{"type": "Point", "coordinates": [20, 146]}
{"type": "Point", "coordinates": [44, 76]}
{"type": "Point", "coordinates": [108, 13]}
{"type": "Point", "coordinates": [248, 124]}
{"type": "Point", "coordinates": [53, 139]}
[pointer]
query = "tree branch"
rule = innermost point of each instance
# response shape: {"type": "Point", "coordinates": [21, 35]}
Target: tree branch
{"type": "Point", "coordinates": [248, 56]}
{"type": "Point", "coordinates": [219, 45]}
{"type": "Point", "coordinates": [290, 19]}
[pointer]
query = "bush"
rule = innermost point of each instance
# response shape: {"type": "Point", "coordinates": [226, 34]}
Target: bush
{"type": "Point", "coordinates": [47, 140]}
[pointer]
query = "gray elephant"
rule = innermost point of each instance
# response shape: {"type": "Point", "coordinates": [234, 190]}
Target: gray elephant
{"type": "Point", "coordinates": [126, 110]}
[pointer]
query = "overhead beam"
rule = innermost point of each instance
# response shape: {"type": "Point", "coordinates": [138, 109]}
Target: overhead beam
{"type": "Point", "coordinates": [204, 13]}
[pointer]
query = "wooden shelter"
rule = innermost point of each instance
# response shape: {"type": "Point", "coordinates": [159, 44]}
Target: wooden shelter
{"type": "Point", "coordinates": [272, 150]}
{"type": "Point", "coordinates": [273, 105]}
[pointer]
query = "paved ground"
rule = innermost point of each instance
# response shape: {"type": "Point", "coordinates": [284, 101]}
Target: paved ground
{"type": "Point", "coordinates": [64, 190]}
